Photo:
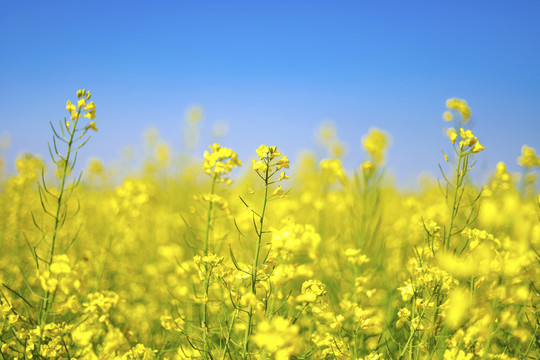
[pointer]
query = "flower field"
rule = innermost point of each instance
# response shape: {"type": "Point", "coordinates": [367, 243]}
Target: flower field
{"type": "Point", "coordinates": [233, 258]}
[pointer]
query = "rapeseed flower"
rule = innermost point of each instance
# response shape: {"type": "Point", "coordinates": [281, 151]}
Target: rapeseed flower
{"type": "Point", "coordinates": [219, 162]}
{"type": "Point", "coordinates": [461, 106]}
{"type": "Point", "coordinates": [375, 144]}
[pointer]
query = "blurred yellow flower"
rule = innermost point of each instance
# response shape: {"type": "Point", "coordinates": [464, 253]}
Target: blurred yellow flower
{"type": "Point", "coordinates": [91, 126]}
{"type": "Point", "coordinates": [375, 143]}
{"type": "Point", "coordinates": [528, 157]}
{"type": "Point", "coordinates": [461, 106]}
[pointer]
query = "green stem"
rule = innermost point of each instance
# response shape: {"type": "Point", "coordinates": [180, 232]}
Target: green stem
{"type": "Point", "coordinates": [454, 203]}
{"type": "Point", "coordinates": [411, 336]}
{"type": "Point", "coordinates": [46, 304]}
{"type": "Point", "coordinates": [62, 185]}
{"type": "Point", "coordinates": [226, 350]}
{"type": "Point", "coordinates": [256, 262]}
{"type": "Point", "coordinates": [207, 272]}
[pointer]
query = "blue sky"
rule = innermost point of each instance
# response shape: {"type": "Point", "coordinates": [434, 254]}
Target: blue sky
{"type": "Point", "coordinates": [274, 70]}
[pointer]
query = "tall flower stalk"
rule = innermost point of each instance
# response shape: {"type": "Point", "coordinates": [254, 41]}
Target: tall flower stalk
{"type": "Point", "coordinates": [467, 146]}
{"type": "Point", "coordinates": [217, 163]}
{"type": "Point", "coordinates": [266, 167]}
{"type": "Point", "coordinates": [73, 137]}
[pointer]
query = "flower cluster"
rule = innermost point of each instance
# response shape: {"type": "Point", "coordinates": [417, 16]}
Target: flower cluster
{"type": "Point", "coordinates": [183, 269]}
{"type": "Point", "coordinates": [528, 157]}
{"type": "Point", "coordinates": [375, 144]}
{"type": "Point", "coordinates": [279, 338]}
{"type": "Point", "coordinates": [75, 111]}
{"type": "Point", "coordinates": [468, 142]}
{"type": "Point", "coordinates": [458, 105]}
{"type": "Point", "coordinates": [220, 162]}
{"type": "Point", "coordinates": [266, 163]}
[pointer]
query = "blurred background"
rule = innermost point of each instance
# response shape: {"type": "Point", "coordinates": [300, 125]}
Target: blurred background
{"type": "Point", "coordinates": [272, 72]}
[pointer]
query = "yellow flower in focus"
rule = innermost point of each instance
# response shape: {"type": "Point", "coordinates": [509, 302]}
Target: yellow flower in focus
{"type": "Point", "coordinates": [477, 148]}
{"type": "Point", "coordinates": [282, 176]}
{"type": "Point", "coordinates": [90, 110]}
{"type": "Point", "coordinates": [262, 151]}
{"type": "Point", "coordinates": [91, 106]}
{"type": "Point", "coordinates": [70, 107]}
{"type": "Point", "coordinates": [81, 103]}
{"type": "Point", "coordinates": [469, 141]}
{"type": "Point", "coordinates": [220, 162]}
{"type": "Point", "coordinates": [259, 165]}
{"type": "Point", "coordinates": [452, 134]}
{"type": "Point", "coordinates": [283, 163]}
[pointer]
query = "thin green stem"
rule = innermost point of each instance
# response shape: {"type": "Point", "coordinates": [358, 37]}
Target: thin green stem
{"type": "Point", "coordinates": [206, 271]}
{"type": "Point", "coordinates": [226, 350]}
{"type": "Point", "coordinates": [62, 186]}
{"type": "Point", "coordinates": [256, 261]}
{"type": "Point", "coordinates": [455, 206]}
{"type": "Point", "coordinates": [411, 336]}
{"type": "Point", "coordinates": [46, 304]}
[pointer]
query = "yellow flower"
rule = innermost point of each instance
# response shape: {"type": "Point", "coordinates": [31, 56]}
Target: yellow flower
{"type": "Point", "coordinates": [194, 114]}
{"type": "Point", "coordinates": [259, 165]}
{"type": "Point", "coordinates": [91, 106]}
{"type": "Point", "coordinates": [92, 126]}
{"type": "Point", "coordinates": [81, 103]}
{"type": "Point", "coordinates": [528, 157]}
{"type": "Point", "coordinates": [279, 337]}
{"type": "Point", "coordinates": [367, 166]}
{"type": "Point", "coordinates": [452, 134]}
{"type": "Point", "coordinates": [278, 191]}
{"type": "Point", "coordinates": [375, 144]}
{"type": "Point", "coordinates": [282, 176]}
{"type": "Point", "coordinates": [220, 162]}
{"type": "Point", "coordinates": [461, 106]}
{"type": "Point", "coordinates": [248, 299]}
{"type": "Point", "coordinates": [477, 148]}
{"type": "Point", "coordinates": [262, 151]}
{"type": "Point", "coordinates": [283, 163]}
{"type": "Point", "coordinates": [447, 116]}
{"type": "Point", "coordinates": [90, 115]}
{"type": "Point", "coordinates": [70, 107]}
{"type": "Point", "coordinates": [469, 140]}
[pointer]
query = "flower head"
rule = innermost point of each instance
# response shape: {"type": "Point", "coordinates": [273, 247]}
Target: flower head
{"type": "Point", "coordinates": [75, 111]}
{"type": "Point", "coordinates": [459, 105]}
{"type": "Point", "coordinates": [375, 143]}
{"type": "Point", "coordinates": [528, 157]}
{"type": "Point", "coordinates": [220, 161]}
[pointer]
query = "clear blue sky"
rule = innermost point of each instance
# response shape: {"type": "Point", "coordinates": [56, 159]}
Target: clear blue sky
{"type": "Point", "coordinates": [274, 70]}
